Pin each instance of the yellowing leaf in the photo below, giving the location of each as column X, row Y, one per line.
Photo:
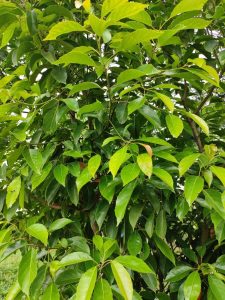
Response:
column 187, row 5
column 87, row 5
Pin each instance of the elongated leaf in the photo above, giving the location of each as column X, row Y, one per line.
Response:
column 51, row 293
column 86, row 284
column 73, row 57
column 117, row 159
column 13, row 291
column 187, row 5
column 192, row 188
column 217, row 287
column 187, row 162
column 62, row 28
column 93, row 164
column 192, row 286
column 13, row 191
column 123, row 200
column 129, row 173
column 123, row 280
column 201, row 123
column 83, row 87
column 37, row 179
column 38, row 231
column 60, row 172
column 34, row 159
column 27, row 270
column 161, row 224
column 83, row 179
column 164, row 248
column 74, row 258
column 164, row 176
column 134, row 215
column 145, row 164
column 166, row 100
column 151, row 115
column 149, row 225
column 93, row 107
column 178, row 273
column 134, row 263
column 219, row 172
column 175, row 125
column 8, row 34
column 59, row 224
column 102, row 290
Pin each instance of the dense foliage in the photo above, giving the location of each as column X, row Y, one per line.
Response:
column 112, row 157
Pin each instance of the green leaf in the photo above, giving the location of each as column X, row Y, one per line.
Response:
column 107, row 187
column 217, row 287
column 126, row 10
column 178, row 273
column 134, row 243
column 93, row 164
column 187, row 5
column 134, row 215
column 135, row 104
column 129, row 173
column 38, row 282
column 59, row 74
column 149, row 225
column 134, row 263
column 187, row 162
column 74, row 57
column 32, row 22
column 123, row 280
column 74, row 258
column 213, row 198
column 63, row 28
column 192, row 286
column 121, row 112
column 109, row 140
column 8, row 34
column 38, row 231
column 117, row 159
column 201, row 123
column 151, row 115
column 175, row 125
column 13, row 291
column 161, row 224
column 192, row 188
column 86, row 284
column 83, row 179
column 83, row 86
column 13, row 191
column 109, row 5
column 145, row 163
column 51, row 293
column 166, row 100
column 164, row 248
column 102, row 290
column 27, row 270
column 37, row 179
column 60, row 172
column 93, row 107
column 219, row 172
column 164, row 176
column 123, row 200
column 58, row 224
column 34, row 159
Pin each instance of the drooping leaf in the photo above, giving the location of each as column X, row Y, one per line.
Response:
column 60, row 172
column 192, row 188
column 164, row 248
column 145, row 164
column 217, row 287
column 178, row 273
column 129, row 173
column 164, row 176
column 175, row 125
column 37, row 179
column 93, row 164
column 161, row 224
column 187, row 162
column 219, row 172
column 134, row 215
column 117, row 159
column 38, row 231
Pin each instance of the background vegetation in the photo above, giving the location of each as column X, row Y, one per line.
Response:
column 112, row 148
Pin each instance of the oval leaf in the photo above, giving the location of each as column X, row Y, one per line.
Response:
column 38, row 231
column 134, row 263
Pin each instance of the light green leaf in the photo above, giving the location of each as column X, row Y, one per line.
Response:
column 117, row 159
column 213, row 199
column 134, row 263
column 149, row 225
column 129, row 173
column 164, row 176
column 166, row 100
column 178, row 273
column 74, row 258
column 38, row 231
column 58, row 224
column 175, row 125
column 126, row 10
column 93, row 107
column 192, row 188
column 51, row 293
column 102, row 290
column 83, row 86
column 123, row 200
column 109, row 5
column 86, row 284
column 134, row 215
column 13, row 191
column 145, row 163
column 164, row 248
column 8, row 34
column 37, row 179
column 60, row 172
column 187, row 5
column 151, row 115
column 192, row 286
column 201, row 123
column 27, row 270
column 93, row 164
column 63, row 28
column 217, row 287
column 219, row 172
column 83, row 179
column 135, row 105
column 74, row 57
column 13, row 291
column 34, row 159
column 109, row 140
column 166, row 155
column 123, row 280
column 107, row 187
column 187, row 162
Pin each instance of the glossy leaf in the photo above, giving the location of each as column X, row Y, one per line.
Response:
column 164, row 248
column 187, row 162
column 13, row 191
column 192, row 188
column 60, row 172
column 175, row 125
column 117, row 159
column 129, row 173
column 145, row 164
column 192, row 286
column 186, row 5
column 134, row 263
column 59, row 224
column 164, row 176
column 86, row 284
column 93, row 164
column 102, row 290
column 219, row 172
column 51, row 293
column 38, row 231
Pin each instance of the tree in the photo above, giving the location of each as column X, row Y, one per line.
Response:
column 112, row 148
